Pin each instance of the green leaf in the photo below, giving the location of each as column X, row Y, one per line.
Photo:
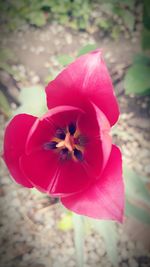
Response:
column 137, row 79
column 107, row 7
column 141, row 59
column 115, row 32
column 128, row 18
column 48, row 78
column 104, row 24
column 65, row 59
column 137, row 212
column 79, row 238
column 86, row 49
column 37, row 18
column 4, row 105
column 135, row 186
column 129, row 3
column 7, row 68
column 66, row 223
column 146, row 39
column 146, row 14
column 51, row 76
column 32, row 101
column 36, row 192
column 108, row 231
column 6, row 54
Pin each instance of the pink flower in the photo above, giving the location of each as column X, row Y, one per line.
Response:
column 68, row 153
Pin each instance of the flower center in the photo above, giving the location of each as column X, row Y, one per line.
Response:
column 68, row 142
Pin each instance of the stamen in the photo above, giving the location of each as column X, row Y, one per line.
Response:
column 50, row 145
column 81, row 140
column 60, row 134
column 72, row 128
column 68, row 143
column 64, row 154
column 78, row 154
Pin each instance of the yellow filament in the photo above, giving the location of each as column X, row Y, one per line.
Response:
column 68, row 143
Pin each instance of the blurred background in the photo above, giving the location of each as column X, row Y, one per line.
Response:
column 38, row 39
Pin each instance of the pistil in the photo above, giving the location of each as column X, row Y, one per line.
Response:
column 67, row 143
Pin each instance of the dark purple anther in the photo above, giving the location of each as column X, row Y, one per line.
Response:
column 50, row 145
column 78, row 154
column 72, row 128
column 64, row 155
column 60, row 134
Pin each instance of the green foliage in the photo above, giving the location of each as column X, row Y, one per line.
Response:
column 6, row 67
column 123, row 9
column 66, row 223
column 78, row 225
column 137, row 196
column 141, row 59
column 51, row 76
column 74, row 13
column 108, row 230
column 19, row 12
column 36, row 18
column 64, row 60
column 137, row 78
column 77, row 14
column 115, row 32
column 87, row 48
column 6, row 56
column 105, row 24
column 33, row 101
column 37, row 193
column 4, row 105
column 146, row 14
column 137, row 212
column 135, row 186
column 128, row 18
column 146, row 26
column 146, row 39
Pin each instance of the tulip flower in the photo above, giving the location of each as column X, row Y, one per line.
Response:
column 68, row 152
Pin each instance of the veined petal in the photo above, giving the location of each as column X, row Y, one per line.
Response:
column 71, row 177
column 40, row 167
column 105, row 198
column 105, row 137
column 14, row 145
column 86, row 79
column 48, row 173
column 95, row 126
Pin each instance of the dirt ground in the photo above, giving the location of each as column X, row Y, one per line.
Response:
column 28, row 226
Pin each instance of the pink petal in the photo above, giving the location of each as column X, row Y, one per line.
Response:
column 105, row 136
column 40, row 167
column 105, row 198
column 87, row 79
column 93, row 158
column 14, row 145
column 96, row 127
column 71, row 177
column 48, row 173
